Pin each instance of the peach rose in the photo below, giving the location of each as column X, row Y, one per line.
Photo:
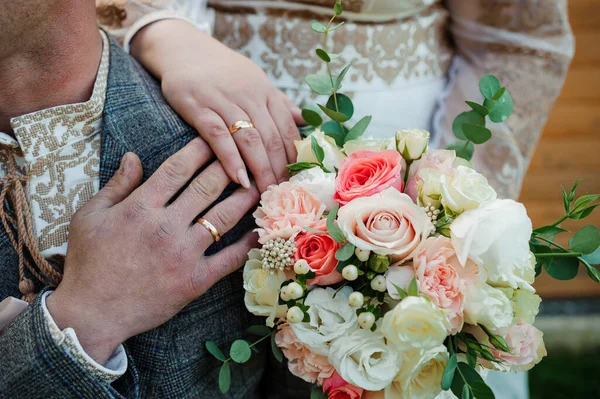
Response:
column 527, row 348
column 365, row 173
column 436, row 267
column 318, row 250
column 284, row 210
column 337, row 388
column 387, row 223
column 302, row 362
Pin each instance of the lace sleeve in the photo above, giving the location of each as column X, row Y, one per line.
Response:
column 124, row 18
column 528, row 44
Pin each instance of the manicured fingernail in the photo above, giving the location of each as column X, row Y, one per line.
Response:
column 242, row 176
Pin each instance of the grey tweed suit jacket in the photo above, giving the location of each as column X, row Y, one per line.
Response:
column 169, row 361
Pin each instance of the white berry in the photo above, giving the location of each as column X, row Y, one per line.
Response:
column 362, row 254
column 301, row 267
column 379, row 284
column 350, row 272
column 366, row 320
column 285, row 294
column 295, row 290
column 356, row 299
column 295, row 315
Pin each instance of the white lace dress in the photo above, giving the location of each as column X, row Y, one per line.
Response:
column 415, row 62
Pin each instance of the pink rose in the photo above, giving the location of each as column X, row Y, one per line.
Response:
column 387, row 223
column 318, row 250
column 527, row 348
column 301, row 361
column 436, row 267
column 441, row 161
column 365, row 173
column 284, row 210
column 337, row 388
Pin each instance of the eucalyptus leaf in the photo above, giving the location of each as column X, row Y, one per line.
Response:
column 499, row 93
column 501, row 109
column 561, row 267
column 240, row 351
column 586, row 240
column 277, row 354
column 311, row 117
column 337, row 9
column 592, row 271
column 334, row 115
column 333, row 130
column 359, row 128
column 214, row 350
column 322, row 54
column 225, row 377
column 477, row 134
column 344, row 104
column 345, row 252
column 259, row 330
column 480, row 109
column 471, row 117
column 463, row 149
column 549, row 231
column 340, row 77
column 448, row 375
column 593, row 258
column 488, row 86
column 334, row 231
column 317, row 150
column 319, row 83
column 318, row 27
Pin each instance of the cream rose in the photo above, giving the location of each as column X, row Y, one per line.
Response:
column 486, row 305
column 318, row 183
column 330, row 318
column 333, row 156
column 496, row 237
column 465, row 189
column 387, row 223
column 262, row 288
column 412, row 143
column 369, row 143
column 525, row 304
column 420, row 375
column 415, row 323
column 363, row 359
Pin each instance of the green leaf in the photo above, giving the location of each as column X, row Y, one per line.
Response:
column 319, row 83
column 466, row 393
column 334, row 115
column 496, row 340
column 480, row 109
column 214, row 350
column 345, row 252
column 318, row 27
column 358, row 129
column 317, row 150
column 499, row 93
column 471, row 357
column 259, row 330
column 333, row 130
column 477, row 134
column 471, row 117
column 448, row 375
column 337, row 8
column 340, row 77
column 401, row 292
column 311, row 117
column 275, row 349
column 317, row 393
column 549, row 231
column 477, row 386
column 299, row 166
column 592, row 271
column 488, row 86
column 571, row 195
column 566, row 202
column 334, row 231
column 225, row 377
column 501, row 109
column 413, row 287
column 463, row 149
column 586, row 240
column 593, row 258
column 322, row 54
column 240, row 351
column 331, row 29
column 585, row 213
column 344, row 104
column 561, row 267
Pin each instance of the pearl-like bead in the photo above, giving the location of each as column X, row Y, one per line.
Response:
column 301, row 267
column 356, row 299
column 362, row 254
column 366, row 320
column 285, row 294
column 350, row 272
column 295, row 290
column 295, row 315
column 379, row 284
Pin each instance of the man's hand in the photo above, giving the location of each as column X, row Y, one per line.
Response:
column 135, row 259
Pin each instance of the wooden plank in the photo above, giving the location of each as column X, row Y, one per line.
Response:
column 566, row 153
column 574, row 119
column 582, row 84
column 584, row 15
column 542, row 184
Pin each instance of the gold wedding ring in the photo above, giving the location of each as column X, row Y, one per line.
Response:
column 240, row 125
column 210, row 227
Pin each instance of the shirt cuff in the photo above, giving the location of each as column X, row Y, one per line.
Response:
column 10, row 308
column 159, row 16
column 114, row 368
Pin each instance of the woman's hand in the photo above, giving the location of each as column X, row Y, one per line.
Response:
column 212, row 87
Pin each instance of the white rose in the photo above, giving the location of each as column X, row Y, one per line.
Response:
column 429, row 187
column 496, row 237
column 398, row 276
column 333, row 156
column 526, row 305
column 262, row 288
column 420, row 376
column 363, row 359
column 369, row 143
column 487, row 305
column 318, row 183
column 415, row 323
column 412, row 143
column 465, row 189
column 330, row 318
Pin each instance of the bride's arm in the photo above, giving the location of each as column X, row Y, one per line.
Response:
column 528, row 45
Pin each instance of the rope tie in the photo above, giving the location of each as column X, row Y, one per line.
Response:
column 23, row 239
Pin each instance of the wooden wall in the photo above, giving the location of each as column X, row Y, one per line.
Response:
column 570, row 144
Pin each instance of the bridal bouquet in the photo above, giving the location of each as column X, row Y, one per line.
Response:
column 387, row 269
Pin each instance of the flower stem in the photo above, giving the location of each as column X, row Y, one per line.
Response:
column 559, row 221
column 553, row 254
column 550, row 242
column 333, row 89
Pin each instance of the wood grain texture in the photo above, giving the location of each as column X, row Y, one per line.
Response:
column 570, row 146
